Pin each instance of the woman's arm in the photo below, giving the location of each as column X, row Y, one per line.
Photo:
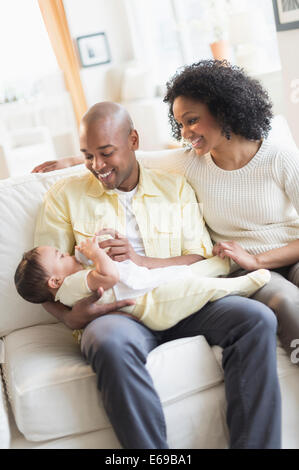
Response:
column 53, row 165
column 168, row 160
column 271, row 259
column 279, row 257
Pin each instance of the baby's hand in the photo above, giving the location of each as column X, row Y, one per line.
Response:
column 89, row 248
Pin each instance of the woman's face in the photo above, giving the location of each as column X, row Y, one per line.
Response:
column 197, row 124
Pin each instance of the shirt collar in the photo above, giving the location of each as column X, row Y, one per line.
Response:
column 145, row 185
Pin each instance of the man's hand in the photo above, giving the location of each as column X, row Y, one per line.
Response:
column 52, row 165
column 235, row 252
column 120, row 248
column 86, row 310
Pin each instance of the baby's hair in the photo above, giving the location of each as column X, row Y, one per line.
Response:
column 31, row 279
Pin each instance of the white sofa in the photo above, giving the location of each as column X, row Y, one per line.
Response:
column 50, row 398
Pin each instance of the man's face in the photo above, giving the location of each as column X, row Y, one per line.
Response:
column 109, row 151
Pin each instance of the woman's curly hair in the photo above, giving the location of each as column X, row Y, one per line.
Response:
column 238, row 102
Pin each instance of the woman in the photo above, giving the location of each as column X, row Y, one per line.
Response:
column 248, row 185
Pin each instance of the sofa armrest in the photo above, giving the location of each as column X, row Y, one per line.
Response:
column 4, row 421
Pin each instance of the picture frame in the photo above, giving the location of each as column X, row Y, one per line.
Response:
column 93, row 49
column 286, row 14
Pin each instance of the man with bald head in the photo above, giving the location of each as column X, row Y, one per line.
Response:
column 139, row 206
column 156, row 222
column 111, row 122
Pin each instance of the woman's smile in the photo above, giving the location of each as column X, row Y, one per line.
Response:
column 197, row 142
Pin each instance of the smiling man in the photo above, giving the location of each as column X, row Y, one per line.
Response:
column 111, row 162
column 158, row 215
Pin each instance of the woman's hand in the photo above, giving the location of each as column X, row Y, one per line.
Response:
column 53, row 165
column 235, row 252
column 120, row 248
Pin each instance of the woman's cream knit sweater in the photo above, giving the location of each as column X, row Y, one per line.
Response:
column 257, row 205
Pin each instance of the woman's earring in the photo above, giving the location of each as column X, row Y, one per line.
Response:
column 226, row 133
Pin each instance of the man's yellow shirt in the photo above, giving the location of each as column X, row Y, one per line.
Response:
column 165, row 206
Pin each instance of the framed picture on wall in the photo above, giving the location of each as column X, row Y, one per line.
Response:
column 93, row 49
column 286, row 14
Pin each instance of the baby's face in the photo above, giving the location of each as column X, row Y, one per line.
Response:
column 58, row 264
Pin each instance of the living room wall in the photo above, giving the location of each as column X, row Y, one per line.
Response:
column 288, row 42
column 93, row 16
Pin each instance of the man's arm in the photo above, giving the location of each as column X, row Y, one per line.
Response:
column 152, row 263
column 120, row 249
column 85, row 310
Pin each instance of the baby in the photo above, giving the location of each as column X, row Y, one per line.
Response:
column 163, row 296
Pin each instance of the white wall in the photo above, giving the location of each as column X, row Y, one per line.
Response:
column 102, row 82
column 94, row 16
column 288, row 42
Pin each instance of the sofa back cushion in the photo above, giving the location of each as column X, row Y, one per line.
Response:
column 20, row 199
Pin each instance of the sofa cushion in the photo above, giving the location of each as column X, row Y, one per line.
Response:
column 53, row 391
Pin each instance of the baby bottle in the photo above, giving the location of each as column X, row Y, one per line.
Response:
column 82, row 258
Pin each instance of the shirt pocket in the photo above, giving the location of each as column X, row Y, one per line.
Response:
column 167, row 242
column 83, row 230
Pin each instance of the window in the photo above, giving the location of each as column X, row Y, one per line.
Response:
column 170, row 33
column 25, row 50
column 155, row 36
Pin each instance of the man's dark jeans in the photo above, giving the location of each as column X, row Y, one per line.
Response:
column 117, row 348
